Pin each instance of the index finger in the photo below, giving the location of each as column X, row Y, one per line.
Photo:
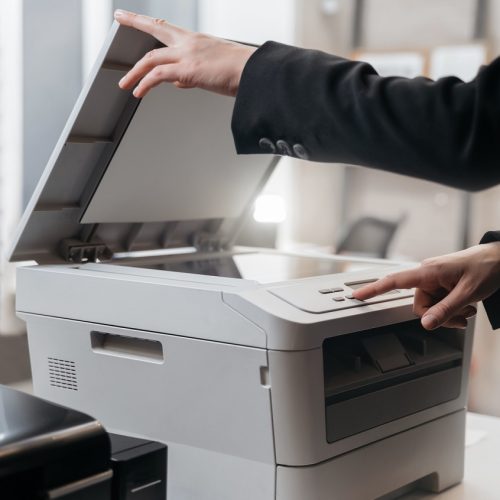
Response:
column 404, row 279
column 159, row 28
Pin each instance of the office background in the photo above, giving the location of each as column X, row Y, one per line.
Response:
column 47, row 48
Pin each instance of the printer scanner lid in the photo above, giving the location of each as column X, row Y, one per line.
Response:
column 129, row 175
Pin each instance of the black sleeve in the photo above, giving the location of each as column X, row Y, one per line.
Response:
column 492, row 303
column 313, row 105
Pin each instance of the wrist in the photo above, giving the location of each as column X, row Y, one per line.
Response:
column 493, row 255
column 242, row 55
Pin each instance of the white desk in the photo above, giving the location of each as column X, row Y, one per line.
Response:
column 482, row 463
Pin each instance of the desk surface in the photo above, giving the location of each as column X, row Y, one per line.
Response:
column 482, row 463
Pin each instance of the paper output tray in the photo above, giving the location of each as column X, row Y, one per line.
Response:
column 360, row 394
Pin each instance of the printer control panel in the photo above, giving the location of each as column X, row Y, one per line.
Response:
column 321, row 296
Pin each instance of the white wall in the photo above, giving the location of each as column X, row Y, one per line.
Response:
column 10, row 152
column 254, row 21
column 96, row 21
column 393, row 24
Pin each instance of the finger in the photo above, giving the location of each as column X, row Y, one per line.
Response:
column 181, row 85
column 160, row 74
column 423, row 301
column 404, row 279
column 445, row 309
column 460, row 319
column 156, row 57
column 468, row 311
column 159, row 28
column 456, row 322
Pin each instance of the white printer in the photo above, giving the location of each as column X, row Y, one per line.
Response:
column 257, row 368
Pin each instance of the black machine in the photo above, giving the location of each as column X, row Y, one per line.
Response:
column 51, row 452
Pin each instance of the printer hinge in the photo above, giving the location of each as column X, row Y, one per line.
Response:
column 77, row 251
column 208, row 243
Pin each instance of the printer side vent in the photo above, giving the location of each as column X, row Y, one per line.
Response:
column 62, row 374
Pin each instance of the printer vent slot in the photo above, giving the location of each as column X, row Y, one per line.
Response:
column 62, row 374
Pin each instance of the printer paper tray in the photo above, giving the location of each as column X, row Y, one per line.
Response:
column 346, row 418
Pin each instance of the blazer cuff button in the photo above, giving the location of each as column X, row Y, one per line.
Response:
column 267, row 145
column 300, row 151
column 284, row 148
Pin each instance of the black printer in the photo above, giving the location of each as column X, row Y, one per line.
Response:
column 51, row 452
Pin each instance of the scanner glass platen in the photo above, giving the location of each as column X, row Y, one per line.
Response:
column 264, row 267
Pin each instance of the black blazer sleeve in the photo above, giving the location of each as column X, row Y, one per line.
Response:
column 317, row 106
column 492, row 303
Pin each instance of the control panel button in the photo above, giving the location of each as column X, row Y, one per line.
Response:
column 308, row 296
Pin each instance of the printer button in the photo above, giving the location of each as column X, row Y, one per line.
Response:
column 337, row 289
column 338, row 299
column 325, row 290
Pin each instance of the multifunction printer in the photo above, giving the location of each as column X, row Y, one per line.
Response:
column 263, row 375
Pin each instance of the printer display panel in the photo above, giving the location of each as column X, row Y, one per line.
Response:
column 261, row 266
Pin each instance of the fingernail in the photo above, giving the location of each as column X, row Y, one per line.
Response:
column 135, row 92
column 119, row 13
column 429, row 322
column 120, row 83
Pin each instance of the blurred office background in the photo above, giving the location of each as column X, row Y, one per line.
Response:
column 47, row 49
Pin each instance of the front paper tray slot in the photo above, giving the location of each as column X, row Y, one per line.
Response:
column 357, row 414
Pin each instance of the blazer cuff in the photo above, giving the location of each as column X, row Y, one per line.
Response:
column 255, row 91
column 492, row 303
column 274, row 111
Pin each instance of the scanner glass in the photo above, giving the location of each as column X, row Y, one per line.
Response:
column 261, row 266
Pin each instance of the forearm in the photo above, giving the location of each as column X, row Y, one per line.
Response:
column 342, row 111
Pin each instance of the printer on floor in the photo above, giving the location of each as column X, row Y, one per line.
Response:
column 264, row 376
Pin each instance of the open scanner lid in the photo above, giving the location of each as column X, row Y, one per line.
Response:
column 130, row 175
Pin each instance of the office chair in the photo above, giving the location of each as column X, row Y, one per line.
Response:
column 369, row 237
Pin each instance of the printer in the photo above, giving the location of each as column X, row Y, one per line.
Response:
column 48, row 451
column 257, row 368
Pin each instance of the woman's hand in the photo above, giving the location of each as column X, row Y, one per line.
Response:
column 446, row 286
column 188, row 60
